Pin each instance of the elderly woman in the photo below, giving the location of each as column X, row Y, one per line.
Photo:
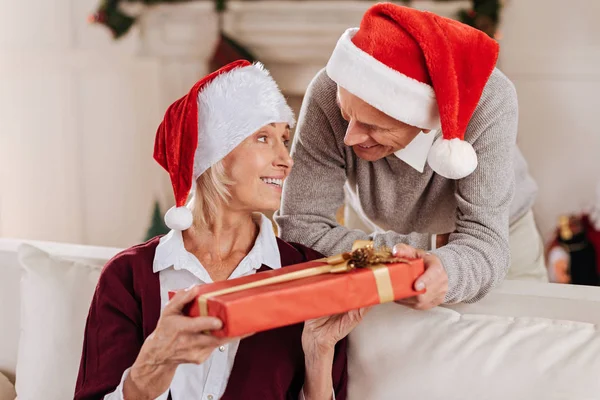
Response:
column 229, row 137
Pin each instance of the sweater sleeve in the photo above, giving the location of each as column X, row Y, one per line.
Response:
column 113, row 334
column 314, row 191
column 477, row 255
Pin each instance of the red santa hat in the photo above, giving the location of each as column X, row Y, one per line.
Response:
column 218, row 113
column 421, row 69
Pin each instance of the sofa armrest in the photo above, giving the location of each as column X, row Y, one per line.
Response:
column 541, row 300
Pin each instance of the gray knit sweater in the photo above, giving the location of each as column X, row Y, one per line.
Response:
column 405, row 205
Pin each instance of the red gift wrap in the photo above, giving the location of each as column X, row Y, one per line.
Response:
column 300, row 292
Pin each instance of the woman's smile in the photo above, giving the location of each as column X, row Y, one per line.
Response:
column 274, row 182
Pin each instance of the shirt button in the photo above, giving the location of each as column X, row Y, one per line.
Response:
column 221, row 349
column 209, row 397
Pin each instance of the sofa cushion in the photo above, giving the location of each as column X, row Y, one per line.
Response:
column 399, row 353
column 10, row 275
column 7, row 390
column 55, row 297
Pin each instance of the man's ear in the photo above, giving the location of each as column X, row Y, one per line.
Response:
column 426, row 130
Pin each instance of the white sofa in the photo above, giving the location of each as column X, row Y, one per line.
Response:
column 523, row 341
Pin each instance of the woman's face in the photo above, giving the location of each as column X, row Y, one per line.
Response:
column 258, row 167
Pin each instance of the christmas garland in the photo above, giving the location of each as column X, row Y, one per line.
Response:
column 483, row 15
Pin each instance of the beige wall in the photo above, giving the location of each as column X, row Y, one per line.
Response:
column 551, row 51
column 78, row 115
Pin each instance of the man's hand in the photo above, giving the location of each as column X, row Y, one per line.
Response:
column 434, row 280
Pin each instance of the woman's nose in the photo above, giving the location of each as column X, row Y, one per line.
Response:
column 355, row 135
column 283, row 158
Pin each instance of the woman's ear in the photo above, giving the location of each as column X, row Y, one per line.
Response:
column 426, row 130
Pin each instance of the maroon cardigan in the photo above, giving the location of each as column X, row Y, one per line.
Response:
column 125, row 310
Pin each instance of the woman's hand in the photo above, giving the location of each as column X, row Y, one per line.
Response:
column 434, row 280
column 322, row 334
column 177, row 339
column 319, row 338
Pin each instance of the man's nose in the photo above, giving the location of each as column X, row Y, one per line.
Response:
column 355, row 135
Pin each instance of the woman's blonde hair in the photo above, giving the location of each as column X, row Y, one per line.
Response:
column 211, row 192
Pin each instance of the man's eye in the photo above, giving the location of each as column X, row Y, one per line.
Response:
column 286, row 143
column 262, row 139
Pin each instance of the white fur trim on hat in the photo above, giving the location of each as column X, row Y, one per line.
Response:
column 231, row 108
column 452, row 159
column 390, row 91
column 179, row 218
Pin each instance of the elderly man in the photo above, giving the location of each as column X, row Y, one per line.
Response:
column 412, row 123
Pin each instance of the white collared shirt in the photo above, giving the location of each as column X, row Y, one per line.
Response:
column 415, row 153
column 180, row 269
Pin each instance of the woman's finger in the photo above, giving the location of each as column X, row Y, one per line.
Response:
column 181, row 298
column 193, row 352
column 363, row 311
column 203, row 342
column 202, row 324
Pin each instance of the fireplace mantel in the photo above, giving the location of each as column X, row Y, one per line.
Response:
column 292, row 38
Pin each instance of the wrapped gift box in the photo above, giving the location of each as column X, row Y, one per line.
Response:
column 337, row 284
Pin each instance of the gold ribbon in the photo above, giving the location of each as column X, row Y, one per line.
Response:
column 340, row 263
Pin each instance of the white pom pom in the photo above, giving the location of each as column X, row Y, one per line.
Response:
column 179, row 218
column 452, row 159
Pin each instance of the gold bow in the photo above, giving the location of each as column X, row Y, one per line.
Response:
column 363, row 255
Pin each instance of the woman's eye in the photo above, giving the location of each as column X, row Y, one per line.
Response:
column 286, row 143
column 262, row 139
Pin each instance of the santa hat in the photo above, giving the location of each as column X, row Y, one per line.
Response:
column 421, row 69
column 219, row 112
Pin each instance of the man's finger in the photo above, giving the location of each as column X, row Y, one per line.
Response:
column 425, row 297
column 433, row 273
column 409, row 301
column 433, row 293
column 439, row 300
column 428, row 305
column 425, row 280
column 181, row 298
column 406, row 251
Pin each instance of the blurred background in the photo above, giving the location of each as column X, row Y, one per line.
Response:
column 85, row 83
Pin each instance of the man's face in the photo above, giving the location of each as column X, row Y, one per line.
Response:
column 372, row 134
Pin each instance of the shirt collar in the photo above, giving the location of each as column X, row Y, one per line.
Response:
column 415, row 154
column 171, row 252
